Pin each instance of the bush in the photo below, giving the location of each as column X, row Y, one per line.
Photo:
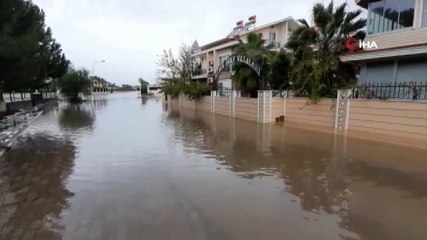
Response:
column 191, row 90
column 194, row 91
column 73, row 83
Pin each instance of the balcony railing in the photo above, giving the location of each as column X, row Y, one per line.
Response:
column 273, row 45
column 223, row 92
column 198, row 72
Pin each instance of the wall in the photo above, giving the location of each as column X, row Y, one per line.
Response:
column 225, row 83
column 246, row 108
column 280, row 29
column 392, row 121
column 27, row 105
column 277, row 108
column 402, row 119
column 15, row 106
column 203, row 104
column 222, row 105
column 322, row 113
column 187, row 103
column 399, row 38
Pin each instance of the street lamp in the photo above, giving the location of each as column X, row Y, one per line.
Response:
column 93, row 66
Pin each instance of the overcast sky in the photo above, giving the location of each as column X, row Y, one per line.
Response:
column 130, row 34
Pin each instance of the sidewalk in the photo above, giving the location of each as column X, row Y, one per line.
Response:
column 12, row 126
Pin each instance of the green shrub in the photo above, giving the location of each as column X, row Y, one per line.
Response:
column 191, row 90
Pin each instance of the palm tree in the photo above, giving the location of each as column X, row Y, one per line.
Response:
column 256, row 50
column 317, row 68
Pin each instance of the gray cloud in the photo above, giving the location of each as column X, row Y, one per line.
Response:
column 130, row 34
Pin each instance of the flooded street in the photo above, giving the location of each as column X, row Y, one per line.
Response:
column 120, row 167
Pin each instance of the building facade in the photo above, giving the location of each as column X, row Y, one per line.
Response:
column 208, row 57
column 398, row 30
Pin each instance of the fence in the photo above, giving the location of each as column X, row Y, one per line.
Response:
column 358, row 110
column 281, row 93
column 224, row 92
column 24, row 96
column 396, row 91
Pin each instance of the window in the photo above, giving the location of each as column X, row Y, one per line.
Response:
column 272, row 37
column 407, row 9
column 382, row 72
column 424, row 22
column 389, row 15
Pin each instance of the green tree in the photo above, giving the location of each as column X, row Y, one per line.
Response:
column 317, row 68
column 144, row 84
column 74, row 83
column 53, row 62
column 278, row 77
column 247, row 79
column 175, row 73
column 176, row 68
column 28, row 53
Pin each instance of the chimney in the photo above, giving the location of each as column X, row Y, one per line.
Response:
column 251, row 23
column 252, row 19
column 239, row 25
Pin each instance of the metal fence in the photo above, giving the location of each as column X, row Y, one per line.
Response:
column 224, row 92
column 25, row 96
column 197, row 72
column 281, row 93
column 396, row 91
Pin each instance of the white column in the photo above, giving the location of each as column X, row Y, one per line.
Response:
column 418, row 14
column 264, row 106
column 342, row 109
column 233, row 96
column 213, row 96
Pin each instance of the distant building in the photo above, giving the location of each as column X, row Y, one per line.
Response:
column 209, row 56
column 101, row 85
column 399, row 30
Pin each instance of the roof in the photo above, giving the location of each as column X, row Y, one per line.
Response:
column 288, row 19
column 216, row 43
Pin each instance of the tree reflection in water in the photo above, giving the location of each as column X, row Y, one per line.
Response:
column 76, row 117
column 33, row 181
column 329, row 174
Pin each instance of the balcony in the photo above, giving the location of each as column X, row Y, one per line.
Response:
column 199, row 73
column 273, row 45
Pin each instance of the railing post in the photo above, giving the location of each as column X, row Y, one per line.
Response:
column 285, row 96
column 342, row 109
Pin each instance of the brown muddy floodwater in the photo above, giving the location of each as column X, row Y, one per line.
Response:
column 125, row 168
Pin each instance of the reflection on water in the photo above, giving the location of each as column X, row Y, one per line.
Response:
column 370, row 187
column 120, row 167
column 76, row 116
column 32, row 183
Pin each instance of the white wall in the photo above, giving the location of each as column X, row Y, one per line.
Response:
column 226, row 83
